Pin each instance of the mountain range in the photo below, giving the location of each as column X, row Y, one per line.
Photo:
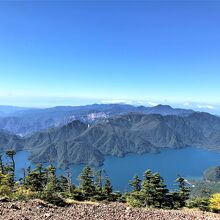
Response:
column 133, row 132
column 7, row 110
column 26, row 121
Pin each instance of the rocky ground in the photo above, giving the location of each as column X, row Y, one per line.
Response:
column 37, row 209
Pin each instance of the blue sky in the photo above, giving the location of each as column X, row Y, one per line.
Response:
column 79, row 52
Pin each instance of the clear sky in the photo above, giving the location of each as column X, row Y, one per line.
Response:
column 74, row 52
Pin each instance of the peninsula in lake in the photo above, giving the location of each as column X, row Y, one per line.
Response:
column 87, row 134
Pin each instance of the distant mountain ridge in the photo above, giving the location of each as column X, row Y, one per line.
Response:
column 77, row 142
column 27, row 121
column 7, row 110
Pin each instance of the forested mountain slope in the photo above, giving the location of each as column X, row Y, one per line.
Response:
column 78, row 142
column 27, row 121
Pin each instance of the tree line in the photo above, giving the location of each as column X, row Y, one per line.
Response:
column 42, row 182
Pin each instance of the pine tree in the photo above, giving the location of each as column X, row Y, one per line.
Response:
column 35, row 179
column 107, row 189
column 154, row 191
column 87, row 182
column 71, row 186
column 141, row 194
column 51, row 179
column 183, row 192
column 159, row 190
column 51, row 189
column 98, row 181
column 10, row 154
column 147, row 189
column 24, row 175
column 11, row 167
column 64, row 184
column 136, row 183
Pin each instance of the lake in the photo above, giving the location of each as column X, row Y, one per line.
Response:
column 188, row 162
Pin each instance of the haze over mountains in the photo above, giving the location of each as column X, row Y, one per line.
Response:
column 23, row 121
column 87, row 134
column 6, row 110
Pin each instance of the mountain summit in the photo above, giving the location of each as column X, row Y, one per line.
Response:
column 28, row 121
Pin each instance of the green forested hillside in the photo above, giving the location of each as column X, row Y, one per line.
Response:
column 27, row 121
column 78, row 142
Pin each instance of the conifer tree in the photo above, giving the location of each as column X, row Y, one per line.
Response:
column 153, row 191
column 51, row 179
column 11, row 154
column 24, row 175
column 136, row 183
column 65, row 184
column 107, row 189
column 159, row 190
column 147, row 190
column 11, row 167
column 87, row 182
column 35, row 179
column 98, row 181
column 71, row 186
column 183, row 192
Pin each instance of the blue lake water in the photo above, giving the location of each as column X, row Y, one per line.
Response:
column 188, row 162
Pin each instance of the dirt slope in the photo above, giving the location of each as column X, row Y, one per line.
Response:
column 39, row 210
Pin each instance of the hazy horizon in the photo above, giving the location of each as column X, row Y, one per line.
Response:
column 213, row 109
column 83, row 52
